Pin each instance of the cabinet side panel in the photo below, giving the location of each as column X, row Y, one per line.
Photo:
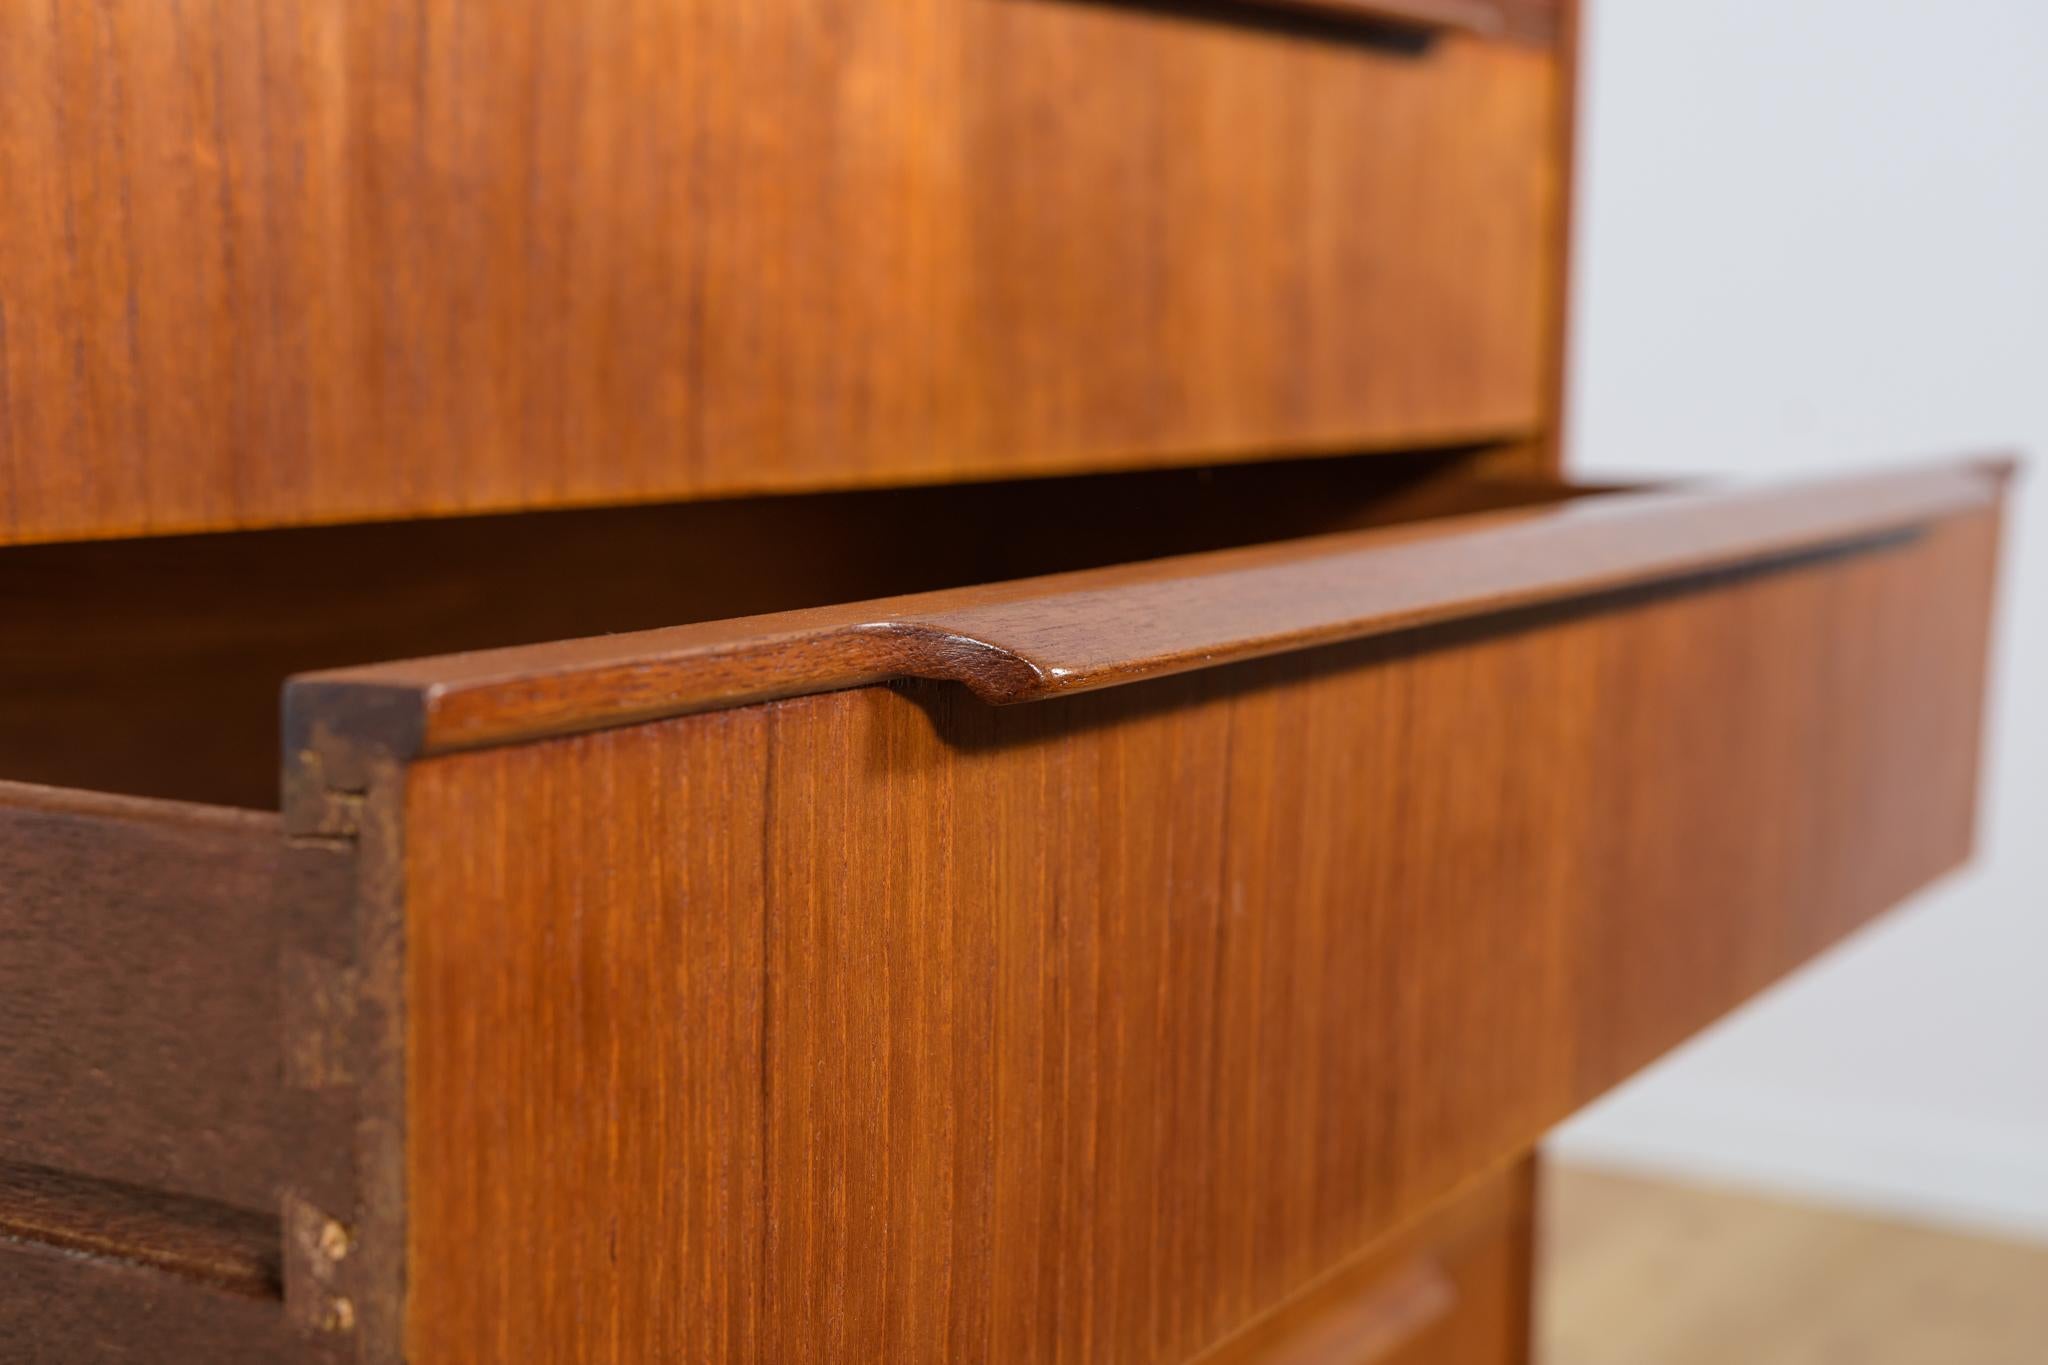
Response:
column 886, row 1025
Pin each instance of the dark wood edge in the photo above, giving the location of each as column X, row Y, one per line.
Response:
column 98, row 805
column 343, row 964
column 344, row 1222
column 1035, row 639
column 1569, row 39
column 1527, row 1213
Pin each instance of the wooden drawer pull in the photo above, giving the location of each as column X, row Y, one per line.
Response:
column 1047, row 637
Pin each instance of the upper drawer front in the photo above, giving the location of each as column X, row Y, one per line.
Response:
column 882, row 1023
column 391, row 257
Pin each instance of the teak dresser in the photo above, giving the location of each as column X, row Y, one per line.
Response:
column 1008, row 745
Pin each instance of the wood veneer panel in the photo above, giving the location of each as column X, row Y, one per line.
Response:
column 1453, row 1290
column 138, row 993
column 698, row 1133
column 884, row 1024
column 365, row 260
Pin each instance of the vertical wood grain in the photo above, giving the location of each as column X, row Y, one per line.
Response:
column 263, row 265
column 1451, row 1289
column 885, row 1025
column 682, row 975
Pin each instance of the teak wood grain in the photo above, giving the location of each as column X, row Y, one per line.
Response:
column 1453, row 1290
column 1038, row 638
column 338, row 261
column 757, row 990
column 329, row 923
column 884, row 1024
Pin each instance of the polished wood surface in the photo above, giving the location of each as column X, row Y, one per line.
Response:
column 361, row 260
column 1644, row 1269
column 756, row 990
column 884, row 1024
column 1454, row 1290
column 1033, row 639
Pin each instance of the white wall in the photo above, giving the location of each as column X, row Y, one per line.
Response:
column 1814, row 233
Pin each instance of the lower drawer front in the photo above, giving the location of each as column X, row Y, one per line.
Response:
column 1453, row 1290
column 886, row 1024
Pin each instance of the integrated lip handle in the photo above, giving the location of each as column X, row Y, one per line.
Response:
column 1037, row 639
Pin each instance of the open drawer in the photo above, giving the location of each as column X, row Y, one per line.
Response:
column 1078, row 966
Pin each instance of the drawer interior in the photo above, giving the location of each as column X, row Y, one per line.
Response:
column 188, row 979
column 152, row 667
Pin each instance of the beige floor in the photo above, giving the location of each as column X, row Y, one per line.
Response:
column 1649, row 1273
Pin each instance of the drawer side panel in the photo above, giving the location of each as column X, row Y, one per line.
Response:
column 67, row 1309
column 138, row 993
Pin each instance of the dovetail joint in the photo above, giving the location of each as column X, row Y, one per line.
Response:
column 314, row 808
column 316, row 1245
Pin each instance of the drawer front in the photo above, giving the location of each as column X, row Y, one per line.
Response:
column 434, row 259
column 1453, row 1290
column 878, row 1022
